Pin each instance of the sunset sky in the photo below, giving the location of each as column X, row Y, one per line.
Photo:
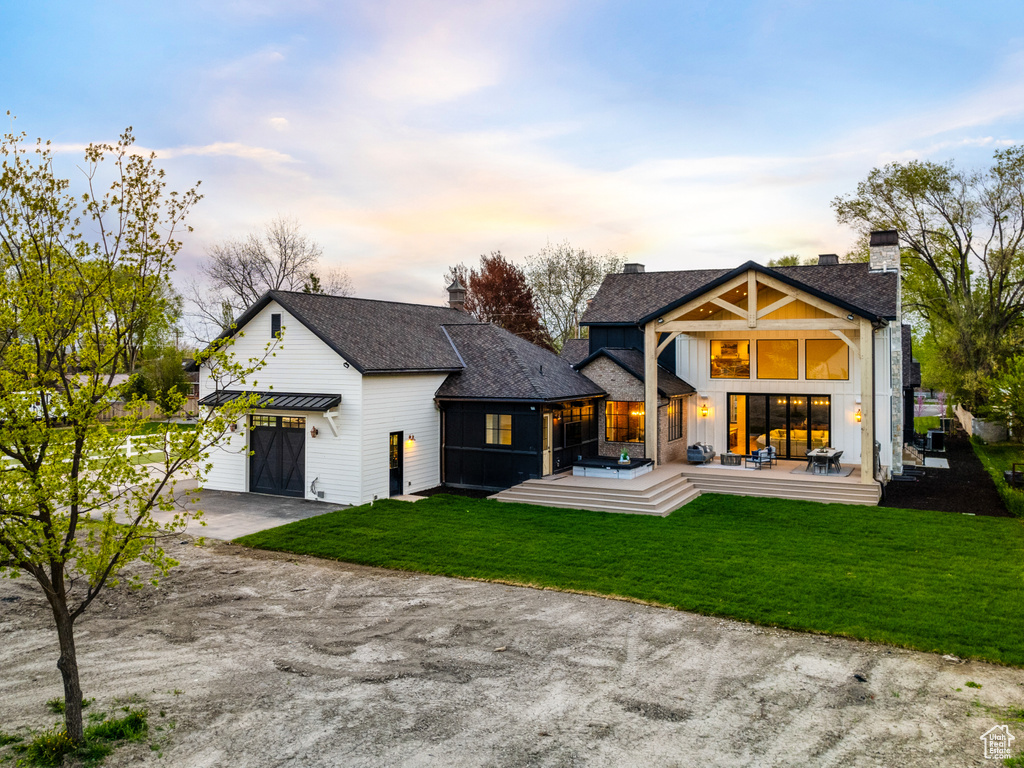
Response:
column 408, row 136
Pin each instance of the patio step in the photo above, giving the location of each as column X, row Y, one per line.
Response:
column 658, row 497
column 802, row 489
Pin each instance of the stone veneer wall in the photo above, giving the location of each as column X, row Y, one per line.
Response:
column 622, row 385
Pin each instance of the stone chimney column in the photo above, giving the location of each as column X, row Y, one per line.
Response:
column 885, row 251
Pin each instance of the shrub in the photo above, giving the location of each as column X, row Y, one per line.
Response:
column 49, row 747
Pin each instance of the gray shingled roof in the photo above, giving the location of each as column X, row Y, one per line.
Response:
column 502, row 366
column 632, row 361
column 911, row 368
column 627, row 298
column 374, row 336
column 575, row 350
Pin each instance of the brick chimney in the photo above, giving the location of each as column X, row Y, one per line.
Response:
column 633, row 269
column 457, row 296
column 827, row 259
column 885, row 251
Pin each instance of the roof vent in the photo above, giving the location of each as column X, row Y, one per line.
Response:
column 457, row 296
column 827, row 259
column 633, row 269
column 885, row 251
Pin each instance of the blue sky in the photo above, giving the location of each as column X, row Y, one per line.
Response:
column 408, row 136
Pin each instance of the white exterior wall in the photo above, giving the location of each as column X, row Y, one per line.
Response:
column 301, row 363
column 693, row 362
column 401, row 403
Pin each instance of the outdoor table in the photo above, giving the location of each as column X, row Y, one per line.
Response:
column 822, row 457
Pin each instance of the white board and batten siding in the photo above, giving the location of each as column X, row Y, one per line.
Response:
column 693, row 364
column 301, row 363
column 401, row 403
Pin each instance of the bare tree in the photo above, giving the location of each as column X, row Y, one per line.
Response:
column 562, row 278
column 239, row 272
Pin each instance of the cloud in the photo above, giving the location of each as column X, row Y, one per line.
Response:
column 278, row 123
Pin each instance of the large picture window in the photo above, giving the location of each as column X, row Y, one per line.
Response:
column 730, row 359
column 827, row 359
column 499, row 429
column 676, row 410
column 623, row 421
column 777, row 359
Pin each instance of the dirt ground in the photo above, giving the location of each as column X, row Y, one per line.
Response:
column 265, row 660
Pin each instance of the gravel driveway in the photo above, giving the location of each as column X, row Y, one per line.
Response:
column 264, row 660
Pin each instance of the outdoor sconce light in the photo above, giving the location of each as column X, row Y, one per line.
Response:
column 704, row 410
column 314, row 432
column 411, row 438
column 857, row 415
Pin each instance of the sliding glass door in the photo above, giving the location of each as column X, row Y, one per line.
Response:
column 793, row 424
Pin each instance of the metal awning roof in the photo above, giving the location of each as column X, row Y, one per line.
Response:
column 279, row 401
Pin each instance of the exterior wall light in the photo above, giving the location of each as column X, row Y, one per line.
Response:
column 704, row 410
column 857, row 416
column 411, row 438
column 314, row 432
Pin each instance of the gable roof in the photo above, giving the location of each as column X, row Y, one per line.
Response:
column 574, row 350
column 502, row 366
column 374, row 336
column 637, row 298
column 632, row 361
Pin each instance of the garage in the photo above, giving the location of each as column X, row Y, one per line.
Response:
column 277, row 462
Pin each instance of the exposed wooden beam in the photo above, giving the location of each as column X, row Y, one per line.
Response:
column 751, row 299
column 800, row 324
column 867, row 403
column 775, row 306
column 814, row 301
column 703, row 299
column 651, row 392
column 849, row 342
column 729, row 307
column 666, row 341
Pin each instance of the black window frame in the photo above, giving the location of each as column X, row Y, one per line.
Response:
column 634, row 422
column 275, row 325
column 676, row 418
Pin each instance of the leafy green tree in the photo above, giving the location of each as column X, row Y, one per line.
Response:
column 962, row 239
column 75, row 512
column 168, row 379
column 562, row 279
column 1007, row 395
column 789, row 260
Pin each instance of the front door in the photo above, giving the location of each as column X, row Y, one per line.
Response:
column 395, row 464
column 277, row 463
column 546, row 443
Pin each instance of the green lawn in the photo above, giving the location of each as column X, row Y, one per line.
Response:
column 928, row 580
column 998, row 457
column 923, row 423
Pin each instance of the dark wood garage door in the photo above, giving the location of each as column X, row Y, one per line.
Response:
column 278, row 460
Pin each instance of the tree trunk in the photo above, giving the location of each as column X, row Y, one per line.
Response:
column 68, row 666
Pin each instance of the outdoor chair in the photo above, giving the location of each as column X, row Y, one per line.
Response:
column 834, row 462
column 773, row 456
column 821, row 464
column 758, row 459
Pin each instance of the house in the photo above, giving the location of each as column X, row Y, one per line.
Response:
column 368, row 399
column 794, row 357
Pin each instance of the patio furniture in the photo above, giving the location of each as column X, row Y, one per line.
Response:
column 731, row 459
column 759, row 459
column 773, row 456
column 833, row 461
column 699, row 453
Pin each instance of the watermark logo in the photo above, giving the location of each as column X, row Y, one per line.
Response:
column 997, row 742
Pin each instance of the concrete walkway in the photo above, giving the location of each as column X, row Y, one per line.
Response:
column 229, row 515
